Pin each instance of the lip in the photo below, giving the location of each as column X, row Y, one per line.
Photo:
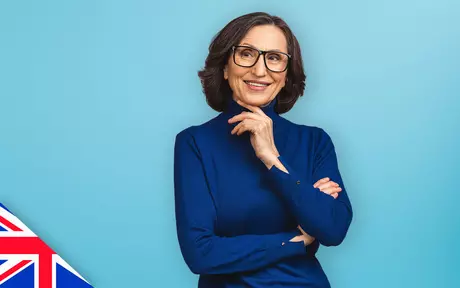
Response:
column 256, row 88
column 257, row 81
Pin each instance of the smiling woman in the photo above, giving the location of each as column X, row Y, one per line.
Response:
column 256, row 194
column 260, row 84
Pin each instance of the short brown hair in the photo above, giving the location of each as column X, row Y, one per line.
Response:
column 216, row 88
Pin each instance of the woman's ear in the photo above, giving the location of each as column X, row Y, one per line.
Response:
column 225, row 73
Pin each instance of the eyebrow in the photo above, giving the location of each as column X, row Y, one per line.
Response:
column 250, row 45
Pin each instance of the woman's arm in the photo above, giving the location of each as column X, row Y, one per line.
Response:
column 203, row 251
column 319, row 214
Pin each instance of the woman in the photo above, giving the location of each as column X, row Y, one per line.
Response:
column 255, row 193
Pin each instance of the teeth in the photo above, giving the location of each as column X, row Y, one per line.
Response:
column 257, row 84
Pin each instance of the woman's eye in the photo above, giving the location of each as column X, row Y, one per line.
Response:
column 274, row 57
column 246, row 53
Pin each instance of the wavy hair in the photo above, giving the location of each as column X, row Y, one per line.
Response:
column 216, row 88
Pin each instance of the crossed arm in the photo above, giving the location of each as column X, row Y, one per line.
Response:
column 319, row 214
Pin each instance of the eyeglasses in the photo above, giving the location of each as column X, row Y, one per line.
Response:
column 246, row 56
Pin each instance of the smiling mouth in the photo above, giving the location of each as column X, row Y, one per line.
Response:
column 256, row 84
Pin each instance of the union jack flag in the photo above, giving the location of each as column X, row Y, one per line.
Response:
column 27, row 262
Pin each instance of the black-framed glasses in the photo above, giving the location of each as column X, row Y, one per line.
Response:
column 247, row 56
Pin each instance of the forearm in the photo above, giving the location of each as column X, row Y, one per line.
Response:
column 210, row 254
column 203, row 250
column 319, row 214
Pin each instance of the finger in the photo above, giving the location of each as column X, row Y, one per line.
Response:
column 237, row 127
column 240, row 128
column 335, row 195
column 243, row 129
column 332, row 190
column 320, row 181
column 254, row 109
column 301, row 230
column 327, row 185
column 246, row 125
column 244, row 115
column 296, row 239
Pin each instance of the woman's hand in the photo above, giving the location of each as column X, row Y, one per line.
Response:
column 307, row 239
column 261, row 128
column 327, row 186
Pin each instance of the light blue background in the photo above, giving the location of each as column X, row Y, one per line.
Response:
column 92, row 94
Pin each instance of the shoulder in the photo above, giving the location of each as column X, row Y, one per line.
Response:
column 199, row 131
column 313, row 133
column 313, row 138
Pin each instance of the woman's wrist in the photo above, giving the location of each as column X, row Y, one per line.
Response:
column 269, row 159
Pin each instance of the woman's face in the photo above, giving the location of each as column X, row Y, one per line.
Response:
column 267, row 83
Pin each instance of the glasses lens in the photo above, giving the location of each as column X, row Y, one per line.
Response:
column 276, row 61
column 245, row 56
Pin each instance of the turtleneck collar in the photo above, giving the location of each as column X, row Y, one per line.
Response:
column 233, row 108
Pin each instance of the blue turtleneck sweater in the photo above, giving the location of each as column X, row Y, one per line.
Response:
column 235, row 217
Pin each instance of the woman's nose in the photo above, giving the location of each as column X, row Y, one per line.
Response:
column 259, row 68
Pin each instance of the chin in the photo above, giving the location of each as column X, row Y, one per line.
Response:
column 256, row 100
